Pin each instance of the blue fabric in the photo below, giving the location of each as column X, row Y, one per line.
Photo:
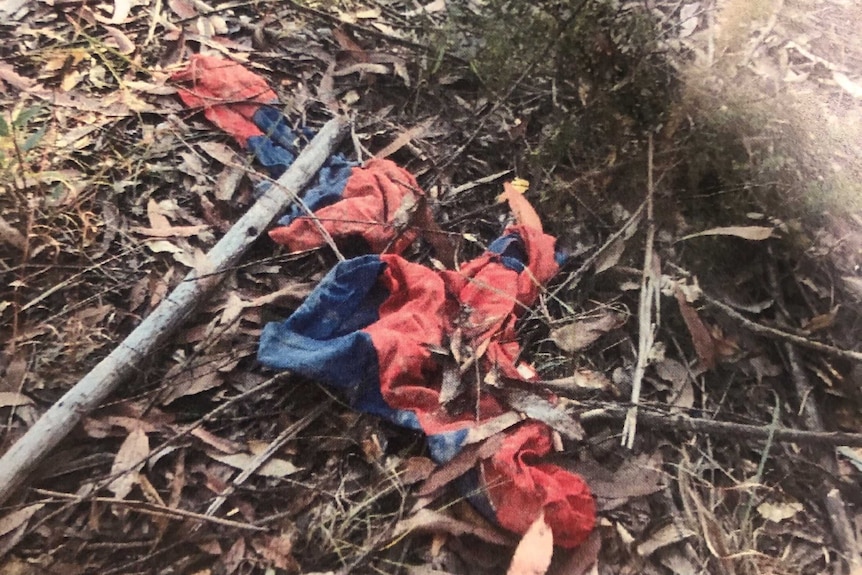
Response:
column 322, row 339
column 277, row 149
column 510, row 248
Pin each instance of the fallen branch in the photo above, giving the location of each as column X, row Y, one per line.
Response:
column 17, row 463
column 679, row 421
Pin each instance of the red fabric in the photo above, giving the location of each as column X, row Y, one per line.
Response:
column 378, row 201
column 495, row 296
column 519, row 488
column 228, row 93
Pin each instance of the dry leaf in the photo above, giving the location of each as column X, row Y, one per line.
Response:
column 583, row 333
column 274, row 467
column 128, row 462
column 534, row 552
column 662, row 537
column 851, row 87
column 155, row 214
column 703, row 342
column 541, row 409
column 405, row 138
column 13, row 399
column 464, row 461
column 122, row 42
column 523, row 210
column 428, row 521
column 581, row 559
column 778, row 512
column 278, row 551
column 16, row 519
column 754, row 233
column 121, row 11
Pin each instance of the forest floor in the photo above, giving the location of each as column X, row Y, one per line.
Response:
column 700, row 162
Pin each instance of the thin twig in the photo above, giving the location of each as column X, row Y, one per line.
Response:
column 660, row 419
column 779, row 334
column 153, row 509
column 648, row 310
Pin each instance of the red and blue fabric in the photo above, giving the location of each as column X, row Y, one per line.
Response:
column 369, row 329
column 348, row 201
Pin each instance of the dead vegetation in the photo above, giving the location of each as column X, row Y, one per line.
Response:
column 739, row 324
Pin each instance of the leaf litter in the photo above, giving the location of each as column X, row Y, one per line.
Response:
column 92, row 124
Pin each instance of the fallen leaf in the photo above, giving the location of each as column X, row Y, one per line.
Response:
column 464, row 461
column 704, row 345
column 13, row 399
column 778, row 512
column 128, row 463
column 581, row 559
column 428, row 521
column 534, row 552
column 121, row 11
column 582, row 380
column 158, row 220
column 523, row 210
column 171, row 231
column 405, row 138
column 583, row 333
column 121, row 42
column 754, row 233
column 17, row 518
column 540, row 409
column 274, row 467
column 849, row 86
column 662, row 537
column 278, row 551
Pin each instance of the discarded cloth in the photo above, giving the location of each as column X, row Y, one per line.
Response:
column 369, row 329
column 372, row 202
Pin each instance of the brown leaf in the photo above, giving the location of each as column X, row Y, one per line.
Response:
column 170, row 231
column 415, row 469
column 534, row 552
column 704, row 345
column 158, row 220
column 754, row 233
column 583, row 380
column 14, row 79
column 579, row 560
column 428, row 521
column 583, row 333
column 461, row 464
column 274, row 467
column 662, row 537
column 120, row 40
column 121, row 11
column 13, row 399
column 17, row 518
column 128, row 463
column 277, row 550
column 405, row 138
column 11, row 236
column 234, row 556
column 540, row 409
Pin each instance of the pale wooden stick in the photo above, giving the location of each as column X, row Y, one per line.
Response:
column 17, row 463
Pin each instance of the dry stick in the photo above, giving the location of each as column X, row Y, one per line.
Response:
column 657, row 419
column 788, row 337
column 832, row 500
column 649, row 300
column 155, row 510
column 94, row 387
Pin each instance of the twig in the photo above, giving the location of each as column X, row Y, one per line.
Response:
column 772, row 332
column 153, row 509
column 94, row 387
column 665, row 420
column 266, row 454
column 832, row 500
column 647, row 309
